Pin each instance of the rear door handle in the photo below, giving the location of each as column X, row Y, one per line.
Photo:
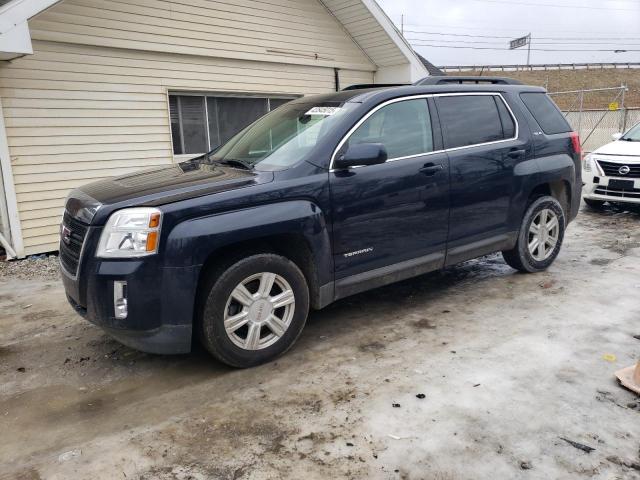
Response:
column 516, row 153
column 431, row 169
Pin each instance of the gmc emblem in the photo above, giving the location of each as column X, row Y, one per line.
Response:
column 65, row 234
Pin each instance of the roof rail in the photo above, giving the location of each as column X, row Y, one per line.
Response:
column 441, row 80
column 360, row 86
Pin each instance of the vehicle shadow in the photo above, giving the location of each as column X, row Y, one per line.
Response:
column 404, row 295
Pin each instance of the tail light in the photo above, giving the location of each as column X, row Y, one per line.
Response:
column 575, row 143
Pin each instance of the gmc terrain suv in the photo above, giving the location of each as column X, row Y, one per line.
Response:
column 324, row 197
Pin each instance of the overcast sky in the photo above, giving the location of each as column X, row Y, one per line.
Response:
column 591, row 24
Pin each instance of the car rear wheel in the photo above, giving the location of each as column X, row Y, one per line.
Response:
column 254, row 310
column 594, row 204
column 540, row 237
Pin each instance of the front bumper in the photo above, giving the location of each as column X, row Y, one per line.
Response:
column 166, row 339
column 160, row 300
column 612, row 178
column 598, row 187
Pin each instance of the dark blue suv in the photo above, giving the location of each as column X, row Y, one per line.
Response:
column 325, row 197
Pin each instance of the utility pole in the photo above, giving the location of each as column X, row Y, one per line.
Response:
column 529, row 50
column 402, row 24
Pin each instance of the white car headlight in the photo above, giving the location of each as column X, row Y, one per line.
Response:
column 587, row 163
column 131, row 232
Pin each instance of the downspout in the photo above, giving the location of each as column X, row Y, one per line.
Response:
column 8, row 200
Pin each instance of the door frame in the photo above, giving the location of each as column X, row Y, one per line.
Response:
column 346, row 137
column 417, row 266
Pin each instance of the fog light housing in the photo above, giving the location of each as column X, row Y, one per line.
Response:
column 120, row 299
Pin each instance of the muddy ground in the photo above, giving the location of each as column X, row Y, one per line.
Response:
column 509, row 364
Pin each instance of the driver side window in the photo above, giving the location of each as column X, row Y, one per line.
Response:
column 404, row 128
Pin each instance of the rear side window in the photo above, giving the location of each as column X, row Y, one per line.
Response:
column 545, row 112
column 470, row 120
column 404, row 128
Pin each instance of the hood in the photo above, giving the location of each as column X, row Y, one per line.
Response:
column 620, row 147
column 159, row 186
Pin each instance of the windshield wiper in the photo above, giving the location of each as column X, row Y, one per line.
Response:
column 629, row 140
column 233, row 162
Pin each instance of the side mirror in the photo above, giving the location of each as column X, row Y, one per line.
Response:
column 361, row 154
column 616, row 136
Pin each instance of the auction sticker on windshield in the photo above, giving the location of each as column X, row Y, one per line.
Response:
column 324, row 111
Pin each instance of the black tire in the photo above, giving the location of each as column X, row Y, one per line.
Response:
column 594, row 204
column 217, row 292
column 520, row 257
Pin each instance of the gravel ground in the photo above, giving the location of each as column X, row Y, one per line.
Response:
column 37, row 267
column 474, row 372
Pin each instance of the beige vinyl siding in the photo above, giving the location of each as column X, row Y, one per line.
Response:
column 78, row 113
column 287, row 31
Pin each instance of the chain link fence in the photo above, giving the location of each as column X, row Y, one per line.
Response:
column 596, row 125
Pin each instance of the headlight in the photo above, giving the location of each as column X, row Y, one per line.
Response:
column 132, row 232
column 588, row 162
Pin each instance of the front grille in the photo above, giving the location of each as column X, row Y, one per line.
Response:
column 71, row 244
column 612, row 169
column 611, row 192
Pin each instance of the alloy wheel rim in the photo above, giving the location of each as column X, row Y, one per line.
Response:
column 259, row 311
column 544, row 233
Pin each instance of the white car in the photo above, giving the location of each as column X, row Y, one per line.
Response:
column 612, row 172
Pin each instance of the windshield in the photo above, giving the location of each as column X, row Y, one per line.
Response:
column 632, row 135
column 283, row 137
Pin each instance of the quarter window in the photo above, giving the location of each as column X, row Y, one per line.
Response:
column 471, row 119
column 200, row 123
column 545, row 112
column 404, row 128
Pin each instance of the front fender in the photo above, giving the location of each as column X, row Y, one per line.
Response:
column 192, row 241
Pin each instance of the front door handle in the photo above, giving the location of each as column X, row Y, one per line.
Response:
column 516, row 153
column 430, row 169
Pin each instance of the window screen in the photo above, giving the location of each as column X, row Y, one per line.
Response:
column 194, row 134
column 212, row 118
column 196, row 129
column 545, row 112
column 469, row 120
column 404, row 128
column 236, row 113
column 276, row 102
column 176, row 136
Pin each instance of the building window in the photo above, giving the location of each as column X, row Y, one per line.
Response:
column 200, row 123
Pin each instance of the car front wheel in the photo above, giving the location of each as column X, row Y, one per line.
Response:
column 540, row 237
column 254, row 310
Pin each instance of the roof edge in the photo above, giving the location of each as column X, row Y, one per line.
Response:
column 418, row 70
column 15, row 36
column 16, row 12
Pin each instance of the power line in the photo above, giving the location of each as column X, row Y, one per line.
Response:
column 423, row 32
column 511, row 2
column 519, row 29
column 623, row 50
column 456, row 34
column 534, row 39
column 503, row 43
